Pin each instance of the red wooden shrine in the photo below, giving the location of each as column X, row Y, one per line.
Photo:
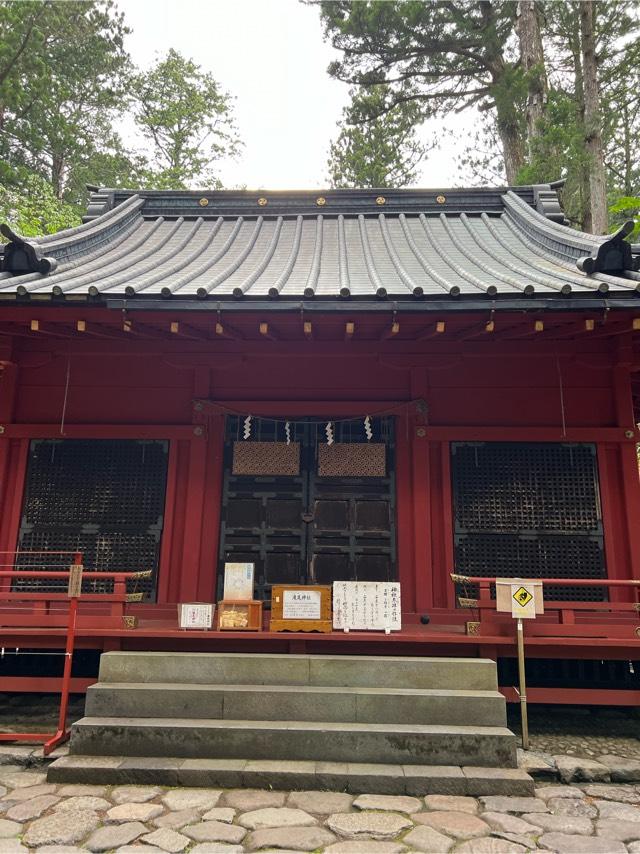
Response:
column 446, row 369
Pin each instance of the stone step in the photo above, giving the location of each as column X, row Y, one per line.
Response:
column 471, row 674
column 297, row 703
column 295, row 740
column 356, row 778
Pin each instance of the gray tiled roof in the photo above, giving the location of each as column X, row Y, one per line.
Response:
column 411, row 249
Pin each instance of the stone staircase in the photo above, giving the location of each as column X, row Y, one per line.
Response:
column 376, row 724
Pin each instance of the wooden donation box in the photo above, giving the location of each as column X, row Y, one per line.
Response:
column 300, row 608
column 239, row 611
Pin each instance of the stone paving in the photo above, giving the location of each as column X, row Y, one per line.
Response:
column 586, row 815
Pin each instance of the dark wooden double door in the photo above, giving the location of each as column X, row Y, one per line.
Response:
column 306, row 528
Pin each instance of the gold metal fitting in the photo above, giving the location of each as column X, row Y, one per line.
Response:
column 637, row 632
column 262, row 201
column 467, row 603
column 145, row 573
column 441, row 199
column 454, row 577
column 203, row 202
column 421, row 432
column 321, row 201
column 381, row 200
column 1, row 430
column 629, row 434
column 198, row 431
column 473, row 628
column 129, row 622
column 134, row 597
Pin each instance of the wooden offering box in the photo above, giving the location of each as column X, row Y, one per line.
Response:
column 300, row 608
column 240, row 615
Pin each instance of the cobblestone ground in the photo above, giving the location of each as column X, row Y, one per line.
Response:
column 585, row 818
column 581, row 730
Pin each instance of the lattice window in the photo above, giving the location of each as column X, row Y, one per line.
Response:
column 530, row 510
column 102, row 497
column 266, row 458
column 352, row 459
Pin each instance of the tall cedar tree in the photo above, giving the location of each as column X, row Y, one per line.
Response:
column 63, row 72
column 384, row 152
column 188, row 119
column 442, row 55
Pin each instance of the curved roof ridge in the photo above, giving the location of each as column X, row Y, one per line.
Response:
column 70, row 236
column 579, row 240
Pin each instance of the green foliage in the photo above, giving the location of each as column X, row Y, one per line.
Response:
column 188, row 120
column 29, row 205
column 628, row 207
column 560, row 151
column 63, row 79
column 444, row 56
column 384, row 152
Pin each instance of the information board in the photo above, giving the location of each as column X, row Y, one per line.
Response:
column 367, row 606
column 301, row 605
column 195, row 615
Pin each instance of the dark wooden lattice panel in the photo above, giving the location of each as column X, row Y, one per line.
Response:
column 529, row 510
column 513, row 486
column 266, row 458
column 352, row 459
column 106, row 499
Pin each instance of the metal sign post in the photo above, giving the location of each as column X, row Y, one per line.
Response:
column 523, row 687
column 524, row 599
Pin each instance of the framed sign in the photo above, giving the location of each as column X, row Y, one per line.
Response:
column 195, row 615
column 301, row 605
column 367, row 606
column 300, row 608
column 238, row 581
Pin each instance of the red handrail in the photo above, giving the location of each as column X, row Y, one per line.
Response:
column 119, row 579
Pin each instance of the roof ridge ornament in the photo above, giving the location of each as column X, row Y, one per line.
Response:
column 613, row 256
column 20, row 257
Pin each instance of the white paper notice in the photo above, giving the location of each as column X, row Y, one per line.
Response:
column 301, row 605
column 238, row 581
column 196, row 615
column 367, row 605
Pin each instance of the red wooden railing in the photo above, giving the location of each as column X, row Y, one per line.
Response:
column 41, row 609
column 561, row 617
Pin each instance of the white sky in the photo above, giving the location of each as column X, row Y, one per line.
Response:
column 272, row 56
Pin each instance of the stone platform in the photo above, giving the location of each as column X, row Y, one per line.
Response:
column 377, row 723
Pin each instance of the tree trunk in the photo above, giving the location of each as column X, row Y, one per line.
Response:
column 57, row 175
column 532, row 58
column 512, row 145
column 574, row 42
column 593, row 120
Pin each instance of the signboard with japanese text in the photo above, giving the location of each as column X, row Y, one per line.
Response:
column 301, row 605
column 367, row 606
column 195, row 615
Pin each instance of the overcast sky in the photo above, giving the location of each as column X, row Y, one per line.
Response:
column 270, row 54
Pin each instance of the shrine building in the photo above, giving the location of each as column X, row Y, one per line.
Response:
column 371, row 385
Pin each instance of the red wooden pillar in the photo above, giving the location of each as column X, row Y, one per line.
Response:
column 196, row 489
column 628, row 457
column 211, row 509
column 422, row 522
